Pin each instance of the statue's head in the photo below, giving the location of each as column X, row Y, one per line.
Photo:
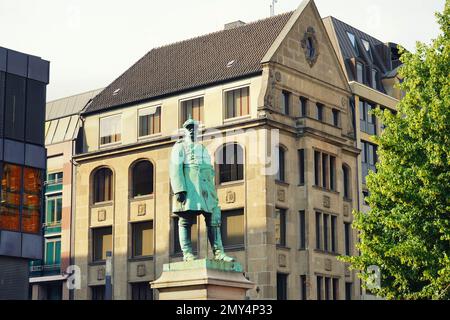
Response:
column 191, row 128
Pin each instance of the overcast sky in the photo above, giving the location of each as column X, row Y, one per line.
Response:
column 91, row 42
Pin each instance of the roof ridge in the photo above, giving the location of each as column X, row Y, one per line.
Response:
column 223, row 30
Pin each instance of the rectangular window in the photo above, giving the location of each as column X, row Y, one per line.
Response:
column 359, row 72
column 233, row 228
column 303, row 292
column 303, row 107
column 176, row 240
column 101, row 243
column 141, row 291
column 54, row 209
column 317, row 156
column 10, row 201
column 31, row 210
column 333, row 234
column 149, row 121
column 327, row 288
column 302, row 228
column 110, row 129
column 320, row 108
column 52, row 252
column 98, row 292
column 55, row 178
column 142, row 239
column 348, row 291
column 192, row 108
column 319, row 286
column 347, row 237
column 237, row 103
column 374, row 79
column 15, row 107
column 325, row 171
column 332, row 173
column 368, row 158
column 326, row 238
column 336, row 116
column 367, row 119
column 35, row 112
column 318, row 230
column 285, row 102
column 301, row 166
column 280, row 227
column 335, row 282
column 282, row 286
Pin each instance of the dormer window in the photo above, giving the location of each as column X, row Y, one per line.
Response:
column 374, row 78
column 367, row 47
column 359, row 72
column 352, row 38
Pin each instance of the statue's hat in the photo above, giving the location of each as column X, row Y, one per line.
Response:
column 190, row 122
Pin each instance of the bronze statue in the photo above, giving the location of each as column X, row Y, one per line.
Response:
column 192, row 180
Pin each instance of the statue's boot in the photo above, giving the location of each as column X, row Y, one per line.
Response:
column 215, row 239
column 184, row 234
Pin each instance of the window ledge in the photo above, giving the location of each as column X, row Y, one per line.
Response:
column 283, row 247
column 236, row 119
column 325, row 190
column 282, row 183
column 144, row 197
column 143, row 258
column 150, row 136
column 96, row 263
column 110, row 145
column 348, row 199
column 230, row 183
column 335, row 254
column 102, row 204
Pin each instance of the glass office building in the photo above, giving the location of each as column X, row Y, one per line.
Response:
column 23, row 81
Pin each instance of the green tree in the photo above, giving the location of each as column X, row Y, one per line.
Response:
column 406, row 233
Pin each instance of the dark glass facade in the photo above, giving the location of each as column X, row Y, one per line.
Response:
column 23, row 81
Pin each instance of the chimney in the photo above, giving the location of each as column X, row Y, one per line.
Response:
column 234, row 24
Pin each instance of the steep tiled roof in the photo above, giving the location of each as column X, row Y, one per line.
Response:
column 193, row 63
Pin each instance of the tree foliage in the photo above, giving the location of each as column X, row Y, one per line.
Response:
column 406, row 233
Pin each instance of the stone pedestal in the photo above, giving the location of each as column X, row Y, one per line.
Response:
column 202, row 279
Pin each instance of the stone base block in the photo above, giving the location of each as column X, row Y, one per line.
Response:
column 202, row 279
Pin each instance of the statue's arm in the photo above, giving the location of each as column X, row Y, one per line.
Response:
column 177, row 180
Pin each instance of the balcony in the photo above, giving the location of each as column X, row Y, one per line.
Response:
column 52, row 227
column 54, row 185
column 37, row 269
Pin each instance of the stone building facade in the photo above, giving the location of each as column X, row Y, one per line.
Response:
column 272, row 94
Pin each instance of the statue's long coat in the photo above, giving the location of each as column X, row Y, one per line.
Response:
column 191, row 171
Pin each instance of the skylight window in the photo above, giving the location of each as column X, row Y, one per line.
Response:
column 352, row 38
column 230, row 64
column 116, row 92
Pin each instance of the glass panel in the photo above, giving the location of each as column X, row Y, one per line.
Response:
column 233, row 228
column 359, row 73
column 143, row 239
column 15, row 107
column 50, row 253
column 35, row 114
column 110, row 129
column 10, row 196
column 103, row 185
column 142, row 178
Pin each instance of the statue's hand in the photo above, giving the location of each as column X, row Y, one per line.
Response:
column 181, row 197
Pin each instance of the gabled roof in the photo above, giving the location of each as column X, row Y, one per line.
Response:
column 193, row 63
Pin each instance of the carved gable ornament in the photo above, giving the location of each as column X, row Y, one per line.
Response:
column 310, row 45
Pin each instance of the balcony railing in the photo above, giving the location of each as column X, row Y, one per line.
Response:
column 41, row 270
column 53, row 185
column 52, row 227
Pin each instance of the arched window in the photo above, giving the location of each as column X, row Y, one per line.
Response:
column 346, row 180
column 281, row 174
column 230, row 160
column 142, row 175
column 103, row 185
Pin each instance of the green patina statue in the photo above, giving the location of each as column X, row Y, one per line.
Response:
column 192, row 181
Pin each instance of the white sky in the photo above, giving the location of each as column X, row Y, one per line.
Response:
column 91, row 42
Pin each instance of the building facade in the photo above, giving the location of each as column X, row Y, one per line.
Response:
column 371, row 68
column 278, row 119
column 48, row 275
column 23, row 81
